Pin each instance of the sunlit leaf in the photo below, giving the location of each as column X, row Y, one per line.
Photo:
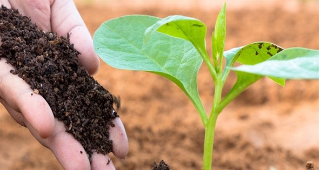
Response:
column 292, row 63
column 183, row 27
column 119, row 42
column 250, row 55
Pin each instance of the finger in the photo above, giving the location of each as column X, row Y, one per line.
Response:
column 37, row 10
column 68, row 151
column 119, row 138
column 18, row 117
column 20, row 97
column 101, row 162
column 66, row 19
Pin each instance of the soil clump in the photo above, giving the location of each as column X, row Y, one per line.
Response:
column 161, row 166
column 49, row 64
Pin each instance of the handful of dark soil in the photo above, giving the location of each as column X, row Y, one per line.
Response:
column 49, row 64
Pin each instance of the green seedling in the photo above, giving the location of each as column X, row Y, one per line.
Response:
column 175, row 48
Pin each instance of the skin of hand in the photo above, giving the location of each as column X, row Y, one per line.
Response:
column 33, row 112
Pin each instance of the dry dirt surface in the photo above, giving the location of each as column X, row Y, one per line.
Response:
column 268, row 127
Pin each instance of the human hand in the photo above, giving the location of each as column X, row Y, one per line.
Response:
column 62, row 17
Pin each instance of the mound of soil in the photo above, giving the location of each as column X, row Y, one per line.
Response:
column 49, row 64
column 161, row 166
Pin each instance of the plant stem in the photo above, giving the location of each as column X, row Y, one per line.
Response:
column 200, row 109
column 218, row 93
column 234, row 92
column 210, row 127
column 207, row 61
column 209, row 142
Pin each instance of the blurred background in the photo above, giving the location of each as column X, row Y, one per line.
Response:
column 266, row 127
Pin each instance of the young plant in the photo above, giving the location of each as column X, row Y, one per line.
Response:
column 174, row 47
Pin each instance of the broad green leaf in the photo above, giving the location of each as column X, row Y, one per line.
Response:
column 120, row 43
column 218, row 38
column 250, row 55
column 292, row 63
column 186, row 28
column 189, row 29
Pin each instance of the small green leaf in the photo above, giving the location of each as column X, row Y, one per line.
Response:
column 252, row 54
column 292, row 63
column 231, row 58
column 218, row 39
column 186, row 28
column 120, row 43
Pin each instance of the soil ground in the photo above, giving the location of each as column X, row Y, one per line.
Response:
column 267, row 127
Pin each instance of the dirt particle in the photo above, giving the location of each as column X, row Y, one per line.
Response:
column 36, row 91
column 117, row 101
column 310, row 166
column 243, row 117
column 40, row 58
column 161, row 166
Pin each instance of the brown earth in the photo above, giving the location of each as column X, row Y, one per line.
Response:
column 49, row 64
column 267, row 127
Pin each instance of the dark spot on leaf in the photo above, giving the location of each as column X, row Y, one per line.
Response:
column 268, row 48
column 197, row 25
column 269, row 53
column 260, row 45
column 256, row 53
column 279, row 50
column 274, row 46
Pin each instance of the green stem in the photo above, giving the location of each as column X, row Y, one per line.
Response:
column 200, row 109
column 210, row 127
column 207, row 61
column 234, row 92
column 218, row 93
column 209, row 142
